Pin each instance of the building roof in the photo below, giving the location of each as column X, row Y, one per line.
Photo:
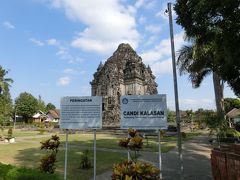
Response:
column 39, row 114
column 233, row 113
column 55, row 113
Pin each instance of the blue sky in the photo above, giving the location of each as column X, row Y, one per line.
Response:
column 53, row 47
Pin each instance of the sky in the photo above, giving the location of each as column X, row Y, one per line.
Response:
column 52, row 48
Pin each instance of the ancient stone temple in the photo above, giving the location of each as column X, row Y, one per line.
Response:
column 122, row 74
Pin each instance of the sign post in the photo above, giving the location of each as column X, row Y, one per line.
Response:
column 94, row 149
column 159, row 152
column 81, row 113
column 145, row 112
column 66, row 153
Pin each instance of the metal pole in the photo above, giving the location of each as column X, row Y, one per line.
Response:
column 94, row 159
column 129, row 151
column 159, row 152
column 179, row 142
column 66, row 149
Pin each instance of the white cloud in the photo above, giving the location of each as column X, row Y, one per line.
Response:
column 153, row 28
column 139, row 3
column 150, row 40
column 8, row 25
column 63, row 81
column 52, row 42
column 159, row 58
column 150, row 4
column 36, row 42
column 142, row 20
column 162, row 67
column 196, row 103
column 69, row 71
column 108, row 23
column 163, row 49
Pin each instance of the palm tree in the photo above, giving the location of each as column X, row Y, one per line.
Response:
column 4, row 82
column 198, row 61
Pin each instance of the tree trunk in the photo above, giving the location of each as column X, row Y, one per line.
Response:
column 218, row 90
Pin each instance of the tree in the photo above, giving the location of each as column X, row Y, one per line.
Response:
column 198, row 61
column 50, row 106
column 4, row 82
column 26, row 105
column 5, row 107
column 189, row 115
column 230, row 103
column 41, row 104
column 216, row 24
column 170, row 116
column 5, row 97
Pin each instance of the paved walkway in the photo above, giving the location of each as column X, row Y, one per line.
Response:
column 196, row 161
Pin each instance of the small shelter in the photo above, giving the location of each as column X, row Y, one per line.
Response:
column 39, row 117
column 53, row 115
column 234, row 115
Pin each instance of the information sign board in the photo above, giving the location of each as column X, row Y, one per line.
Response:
column 144, row 112
column 81, row 112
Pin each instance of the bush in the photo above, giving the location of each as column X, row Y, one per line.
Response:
column 47, row 162
column 184, row 135
column 229, row 136
column 135, row 170
column 9, row 172
column 85, row 161
column 172, row 128
column 10, row 132
column 41, row 128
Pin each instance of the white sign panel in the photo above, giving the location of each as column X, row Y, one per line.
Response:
column 81, row 112
column 144, row 112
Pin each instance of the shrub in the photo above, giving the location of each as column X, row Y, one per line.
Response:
column 9, row 172
column 135, row 170
column 41, row 128
column 184, row 135
column 47, row 162
column 172, row 128
column 134, row 143
column 85, row 161
column 10, row 132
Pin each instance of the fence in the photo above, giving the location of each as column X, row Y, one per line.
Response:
column 226, row 162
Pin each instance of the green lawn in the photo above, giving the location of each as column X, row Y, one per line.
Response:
column 22, row 133
column 26, row 151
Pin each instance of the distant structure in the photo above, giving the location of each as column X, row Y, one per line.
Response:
column 122, row 74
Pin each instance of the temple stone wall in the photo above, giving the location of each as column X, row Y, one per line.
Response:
column 122, row 74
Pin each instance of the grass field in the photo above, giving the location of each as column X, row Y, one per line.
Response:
column 26, row 151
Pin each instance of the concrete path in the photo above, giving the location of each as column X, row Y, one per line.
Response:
column 196, row 161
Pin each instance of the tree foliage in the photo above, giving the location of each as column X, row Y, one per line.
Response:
column 26, row 105
column 50, row 106
column 4, row 82
column 5, row 97
column 198, row 61
column 215, row 24
column 48, row 161
column 5, row 107
column 230, row 103
column 41, row 104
